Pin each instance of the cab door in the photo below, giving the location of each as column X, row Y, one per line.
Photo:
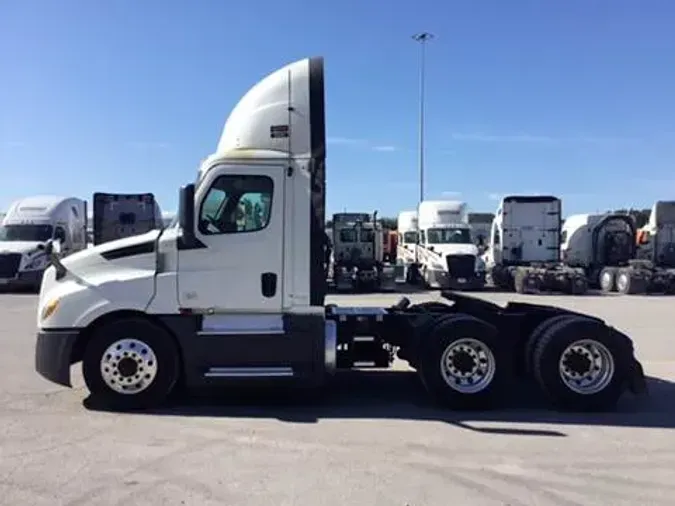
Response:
column 239, row 225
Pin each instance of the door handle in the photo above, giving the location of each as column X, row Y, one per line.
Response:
column 268, row 284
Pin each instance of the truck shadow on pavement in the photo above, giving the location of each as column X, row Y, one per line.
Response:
column 398, row 395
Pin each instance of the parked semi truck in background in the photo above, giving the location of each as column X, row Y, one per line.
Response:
column 28, row 224
column 447, row 257
column 406, row 247
column 358, row 253
column 213, row 301
column 600, row 244
column 654, row 268
column 524, row 253
column 120, row 215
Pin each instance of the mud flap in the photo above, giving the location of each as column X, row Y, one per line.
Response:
column 638, row 382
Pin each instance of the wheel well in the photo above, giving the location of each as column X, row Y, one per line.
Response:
column 81, row 343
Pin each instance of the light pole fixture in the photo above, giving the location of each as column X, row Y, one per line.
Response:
column 422, row 38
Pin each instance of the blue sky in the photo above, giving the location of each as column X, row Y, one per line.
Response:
column 573, row 98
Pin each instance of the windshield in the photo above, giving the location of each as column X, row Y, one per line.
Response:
column 348, row 235
column 449, row 236
column 29, row 233
column 367, row 235
column 410, row 237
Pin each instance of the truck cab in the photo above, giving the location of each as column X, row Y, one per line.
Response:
column 447, row 254
column 120, row 215
column 599, row 244
column 358, row 253
column 524, row 253
column 28, row 224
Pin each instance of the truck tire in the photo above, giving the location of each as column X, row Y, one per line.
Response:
column 580, row 365
column 463, row 364
column 534, row 338
column 130, row 364
column 608, row 279
column 628, row 283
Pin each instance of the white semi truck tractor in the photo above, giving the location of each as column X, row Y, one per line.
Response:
column 234, row 292
column 603, row 245
column 27, row 225
column 524, row 253
column 448, row 258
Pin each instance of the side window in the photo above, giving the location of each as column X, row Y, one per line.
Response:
column 60, row 234
column 236, row 204
column 495, row 236
column 563, row 237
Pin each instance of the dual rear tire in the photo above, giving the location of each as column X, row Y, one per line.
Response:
column 577, row 362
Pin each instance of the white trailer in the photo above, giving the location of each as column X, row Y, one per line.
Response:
column 447, row 257
column 218, row 301
column 27, row 225
column 524, row 251
column 120, row 215
column 600, row 244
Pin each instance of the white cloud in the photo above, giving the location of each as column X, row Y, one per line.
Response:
column 345, row 141
column 361, row 143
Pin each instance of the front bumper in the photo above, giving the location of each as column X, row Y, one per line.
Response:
column 54, row 354
column 442, row 279
column 23, row 279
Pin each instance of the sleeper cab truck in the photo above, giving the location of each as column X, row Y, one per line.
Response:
column 27, row 225
column 524, row 251
column 234, row 292
column 448, row 257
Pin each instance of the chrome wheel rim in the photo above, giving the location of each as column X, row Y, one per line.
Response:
column 606, row 280
column 468, row 366
column 128, row 366
column 621, row 281
column 586, row 367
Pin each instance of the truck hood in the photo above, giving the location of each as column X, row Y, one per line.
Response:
column 19, row 246
column 131, row 253
column 455, row 249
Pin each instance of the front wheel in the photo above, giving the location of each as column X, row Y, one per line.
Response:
column 130, row 364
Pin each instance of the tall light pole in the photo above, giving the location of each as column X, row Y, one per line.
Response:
column 422, row 38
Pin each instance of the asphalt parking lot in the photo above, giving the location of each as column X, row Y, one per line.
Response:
column 372, row 441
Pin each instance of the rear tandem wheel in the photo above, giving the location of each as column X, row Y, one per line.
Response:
column 463, row 364
column 580, row 364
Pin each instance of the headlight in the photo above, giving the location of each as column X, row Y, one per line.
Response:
column 37, row 263
column 49, row 309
